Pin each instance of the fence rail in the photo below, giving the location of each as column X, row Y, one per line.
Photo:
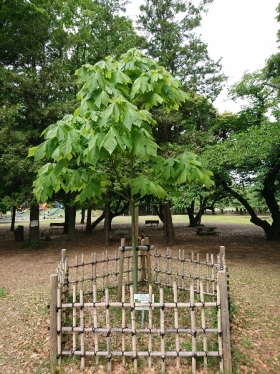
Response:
column 185, row 314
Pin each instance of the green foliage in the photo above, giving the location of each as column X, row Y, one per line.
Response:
column 41, row 45
column 169, row 27
column 111, row 130
column 3, row 292
column 259, row 98
column 31, row 245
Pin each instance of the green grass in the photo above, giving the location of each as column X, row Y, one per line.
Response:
column 3, row 292
column 231, row 218
column 180, row 218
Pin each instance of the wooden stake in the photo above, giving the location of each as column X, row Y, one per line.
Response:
column 120, row 274
column 219, row 320
column 203, row 325
column 63, row 255
column 150, row 324
column 207, row 272
column 53, row 319
column 183, row 268
column 193, row 327
column 108, row 327
column 94, row 295
column 222, row 255
column 123, row 322
column 176, row 322
column 59, row 332
column 197, row 272
column 162, row 330
column 133, row 329
column 222, row 280
column 74, row 317
column 82, row 337
column 148, row 261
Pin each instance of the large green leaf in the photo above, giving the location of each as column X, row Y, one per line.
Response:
column 110, row 141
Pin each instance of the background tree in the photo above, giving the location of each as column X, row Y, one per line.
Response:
column 41, row 45
column 251, row 158
column 170, row 30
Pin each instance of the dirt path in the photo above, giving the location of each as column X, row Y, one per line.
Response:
column 254, row 268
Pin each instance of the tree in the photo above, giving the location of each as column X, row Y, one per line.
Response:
column 259, row 96
column 251, row 158
column 112, row 126
column 169, row 28
column 42, row 43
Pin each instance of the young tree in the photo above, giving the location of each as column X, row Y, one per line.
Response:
column 113, row 126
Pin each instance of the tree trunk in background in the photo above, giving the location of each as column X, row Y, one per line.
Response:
column 13, row 218
column 160, row 212
column 83, row 215
column 71, row 222
column 65, row 229
column 194, row 220
column 107, row 223
column 88, row 225
column 198, row 221
column 34, row 224
column 168, row 225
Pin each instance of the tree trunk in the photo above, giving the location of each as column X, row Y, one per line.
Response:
column 83, row 216
column 192, row 218
column 107, row 224
column 34, row 224
column 272, row 231
column 88, row 225
column 168, row 225
column 14, row 210
column 71, row 222
column 160, row 212
column 66, row 220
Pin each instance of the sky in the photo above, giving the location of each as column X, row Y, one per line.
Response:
column 242, row 33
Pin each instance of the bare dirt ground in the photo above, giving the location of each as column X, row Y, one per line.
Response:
column 254, row 269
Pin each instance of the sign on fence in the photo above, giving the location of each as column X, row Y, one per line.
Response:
column 142, row 298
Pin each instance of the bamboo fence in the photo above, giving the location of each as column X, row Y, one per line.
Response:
column 185, row 314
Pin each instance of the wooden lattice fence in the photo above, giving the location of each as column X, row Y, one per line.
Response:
column 185, row 315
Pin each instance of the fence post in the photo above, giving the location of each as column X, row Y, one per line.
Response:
column 222, row 255
column 120, row 282
column 63, row 255
column 222, row 280
column 53, row 319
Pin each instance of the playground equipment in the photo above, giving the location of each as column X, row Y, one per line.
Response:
column 59, row 207
column 43, row 206
column 21, row 212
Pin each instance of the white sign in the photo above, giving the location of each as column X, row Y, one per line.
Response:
column 142, row 298
column 34, row 223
